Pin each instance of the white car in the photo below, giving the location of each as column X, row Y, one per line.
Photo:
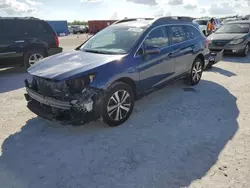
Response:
column 203, row 24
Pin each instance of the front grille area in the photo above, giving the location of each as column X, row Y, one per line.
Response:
column 219, row 42
column 48, row 87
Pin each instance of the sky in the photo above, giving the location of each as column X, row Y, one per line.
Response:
column 117, row 9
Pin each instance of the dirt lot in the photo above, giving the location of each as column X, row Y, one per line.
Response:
column 177, row 137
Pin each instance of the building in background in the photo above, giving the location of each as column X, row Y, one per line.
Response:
column 97, row 25
column 60, row 27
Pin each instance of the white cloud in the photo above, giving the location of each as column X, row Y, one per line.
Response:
column 190, row 6
column 90, row 1
column 223, row 8
column 12, row 7
column 175, row 2
column 144, row 2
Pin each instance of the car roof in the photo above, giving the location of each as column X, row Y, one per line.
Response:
column 239, row 22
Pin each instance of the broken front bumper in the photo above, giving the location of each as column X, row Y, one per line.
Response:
column 77, row 110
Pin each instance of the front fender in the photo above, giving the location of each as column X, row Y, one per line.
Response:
column 103, row 81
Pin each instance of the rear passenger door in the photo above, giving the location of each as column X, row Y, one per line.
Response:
column 182, row 49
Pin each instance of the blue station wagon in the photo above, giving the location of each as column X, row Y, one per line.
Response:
column 104, row 76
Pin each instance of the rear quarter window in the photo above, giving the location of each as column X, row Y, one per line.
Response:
column 192, row 32
column 36, row 28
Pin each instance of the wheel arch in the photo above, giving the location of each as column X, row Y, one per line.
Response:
column 201, row 56
column 128, row 81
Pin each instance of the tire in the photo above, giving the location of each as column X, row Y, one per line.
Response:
column 204, row 32
column 121, row 110
column 244, row 53
column 209, row 66
column 31, row 55
column 197, row 69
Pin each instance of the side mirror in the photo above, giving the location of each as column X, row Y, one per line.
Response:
column 152, row 50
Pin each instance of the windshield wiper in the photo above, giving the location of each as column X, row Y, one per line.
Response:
column 99, row 51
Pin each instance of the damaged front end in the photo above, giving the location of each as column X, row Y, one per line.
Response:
column 70, row 102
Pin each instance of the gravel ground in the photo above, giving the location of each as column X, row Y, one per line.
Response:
column 176, row 137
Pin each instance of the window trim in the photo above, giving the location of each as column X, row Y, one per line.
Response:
column 165, row 33
column 171, row 45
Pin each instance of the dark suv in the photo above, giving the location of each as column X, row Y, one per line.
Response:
column 104, row 76
column 26, row 40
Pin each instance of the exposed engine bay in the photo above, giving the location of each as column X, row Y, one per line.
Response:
column 67, row 101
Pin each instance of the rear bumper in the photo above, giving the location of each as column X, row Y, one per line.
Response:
column 53, row 51
column 215, row 57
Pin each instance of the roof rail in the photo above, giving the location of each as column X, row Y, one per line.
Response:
column 168, row 18
column 131, row 19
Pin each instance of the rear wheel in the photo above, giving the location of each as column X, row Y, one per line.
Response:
column 196, row 72
column 118, row 104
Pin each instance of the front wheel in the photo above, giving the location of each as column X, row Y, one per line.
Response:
column 245, row 51
column 118, row 104
column 196, row 72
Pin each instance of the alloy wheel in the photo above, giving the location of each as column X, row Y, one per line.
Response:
column 197, row 71
column 34, row 58
column 119, row 105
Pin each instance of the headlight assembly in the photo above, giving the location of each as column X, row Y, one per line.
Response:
column 78, row 84
column 236, row 41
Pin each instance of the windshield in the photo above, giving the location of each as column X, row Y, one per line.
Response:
column 113, row 40
column 201, row 22
column 234, row 28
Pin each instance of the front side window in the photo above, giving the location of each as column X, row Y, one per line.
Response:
column 177, row 34
column 234, row 28
column 157, row 38
column 113, row 40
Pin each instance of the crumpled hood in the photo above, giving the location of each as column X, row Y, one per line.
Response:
column 226, row 36
column 67, row 64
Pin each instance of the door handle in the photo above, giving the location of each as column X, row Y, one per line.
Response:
column 19, row 41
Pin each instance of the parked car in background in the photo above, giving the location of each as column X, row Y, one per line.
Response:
column 78, row 29
column 203, row 24
column 104, row 76
column 232, row 37
column 26, row 39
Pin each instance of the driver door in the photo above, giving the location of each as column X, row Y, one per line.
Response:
column 154, row 69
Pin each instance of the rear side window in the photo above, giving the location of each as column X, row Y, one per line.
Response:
column 36, row 28
column 177, row 34
column 157, row 37
column 192, row 32
column 10, row 28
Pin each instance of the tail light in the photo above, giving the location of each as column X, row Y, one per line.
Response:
column 57, row 40
column 207, row 43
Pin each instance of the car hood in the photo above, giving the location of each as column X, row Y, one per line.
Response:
column 68, row 64
column 226, row 36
